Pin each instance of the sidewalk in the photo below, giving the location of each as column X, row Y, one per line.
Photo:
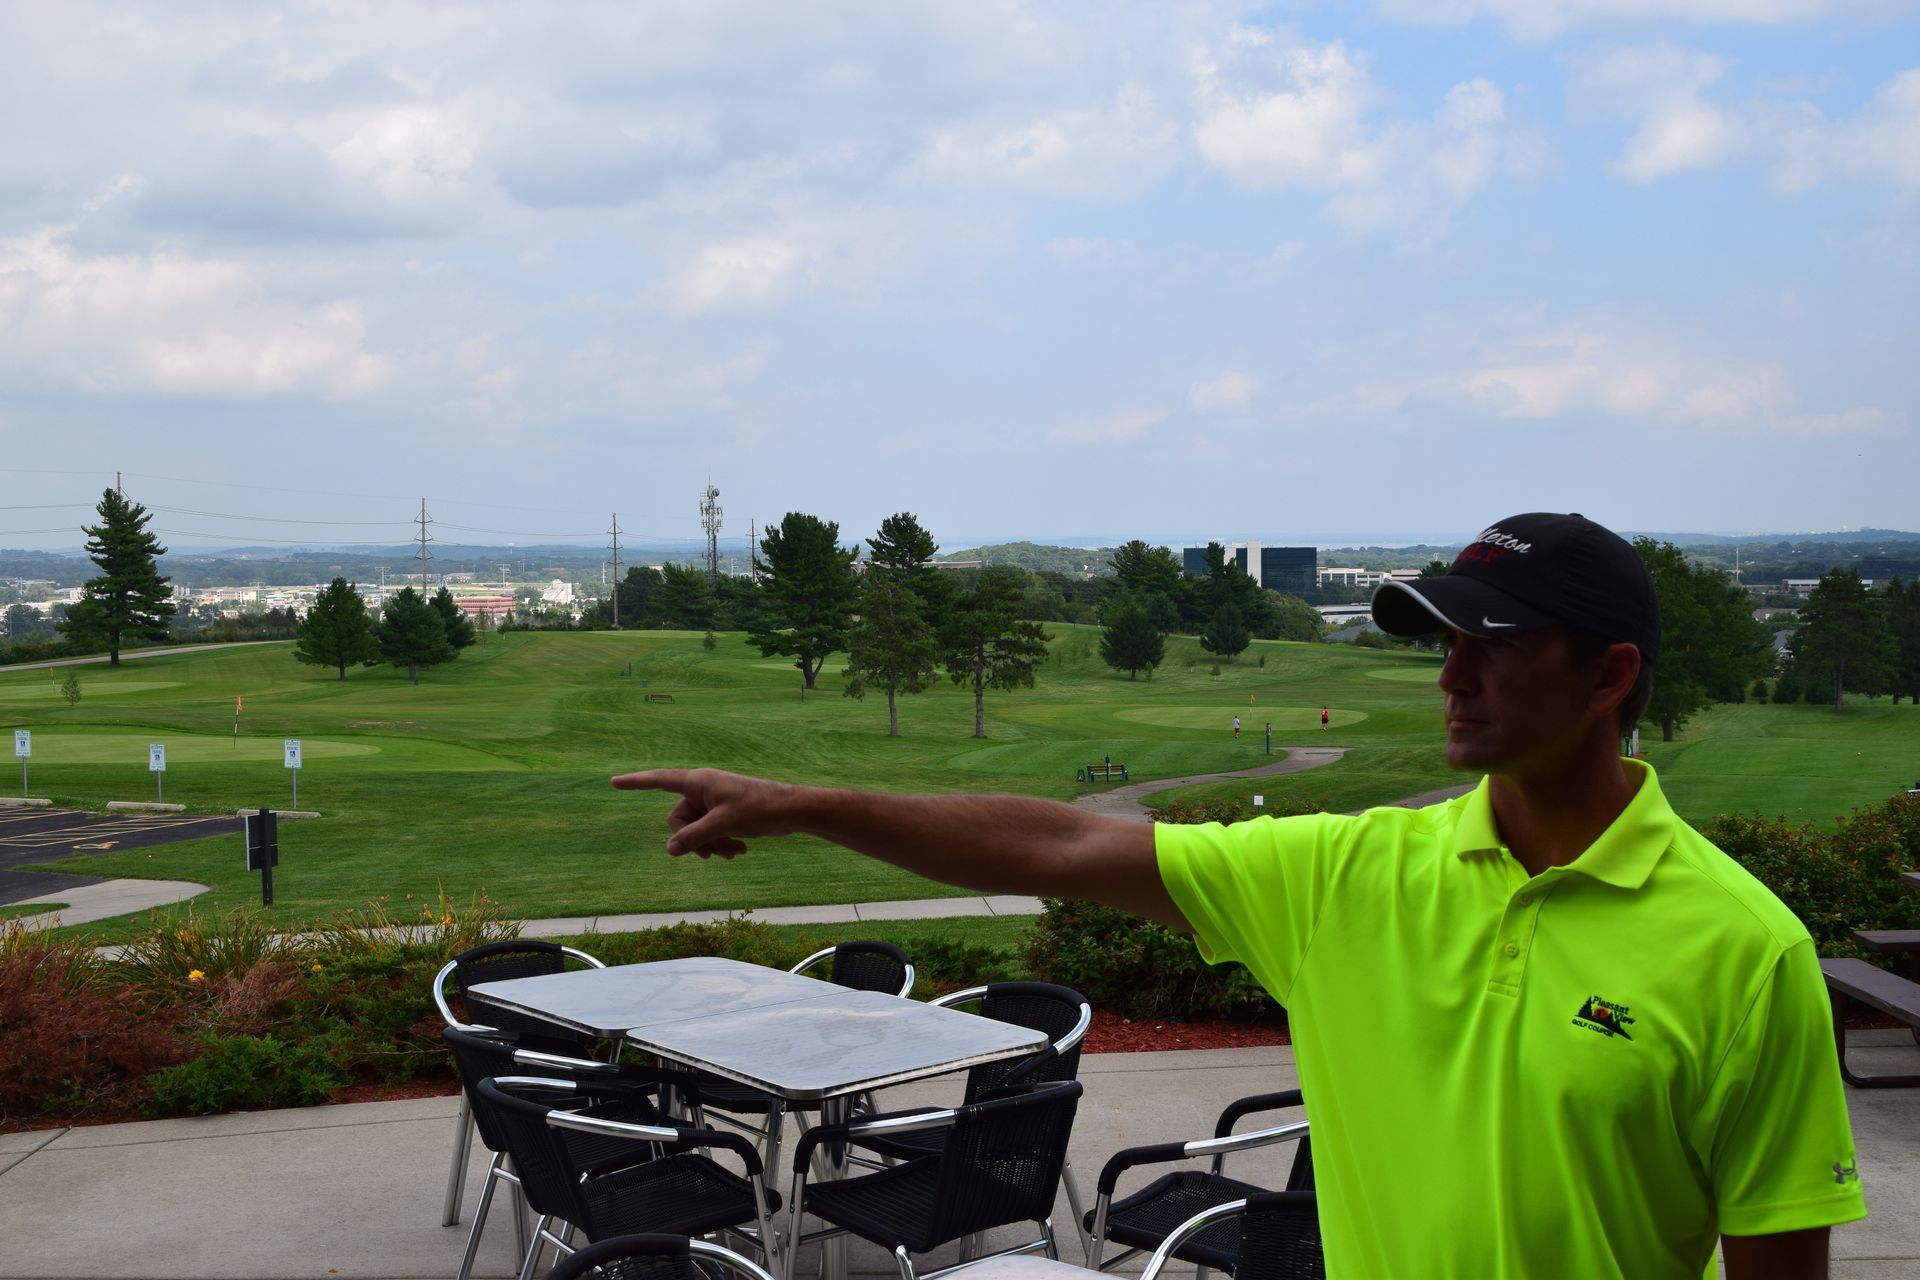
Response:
column 355, row 1191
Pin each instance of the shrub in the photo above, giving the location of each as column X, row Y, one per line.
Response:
column 1786, row 688
column 242, row 1072
column 1136, row 967
column 162, row 962
column 1759, row 691
column 68, row 1045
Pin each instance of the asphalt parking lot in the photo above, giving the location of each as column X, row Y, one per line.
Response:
column 33, row 836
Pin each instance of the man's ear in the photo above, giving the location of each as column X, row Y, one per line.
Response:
column 1613, row 676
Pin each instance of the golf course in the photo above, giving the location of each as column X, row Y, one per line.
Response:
column 490, row 775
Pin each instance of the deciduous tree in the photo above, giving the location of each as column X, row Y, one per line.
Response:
column 807, row 593
column 986, row 643
column 892, row 648
column 1129, row 641
column 1710, row 646
column 128, row 600
column 412, row 634
column 337, row 631
column 1844, row 642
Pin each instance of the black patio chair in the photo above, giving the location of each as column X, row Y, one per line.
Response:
column 656, row 1257
column 677, row 1190
column 1000, row 1164
column 477, row 1057
column 1278, row 1237
column 1060, row 1012
column 496, row 962
column 1145, row 1219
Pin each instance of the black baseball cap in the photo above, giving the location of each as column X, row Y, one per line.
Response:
column 1532, row 571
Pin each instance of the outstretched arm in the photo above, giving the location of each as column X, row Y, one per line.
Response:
column 995, row 843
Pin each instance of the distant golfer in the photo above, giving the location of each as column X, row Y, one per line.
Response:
column 1543, row 1029
column 1323, row 719
column 1236, row 726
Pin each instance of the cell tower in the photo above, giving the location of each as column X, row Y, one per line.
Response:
column 710, row 521
column 424, row 539
column 753, row 551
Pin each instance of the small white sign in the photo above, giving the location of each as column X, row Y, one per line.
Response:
column 156, row 757
column 1259, row 801
column 292, row 747
column 23, row 743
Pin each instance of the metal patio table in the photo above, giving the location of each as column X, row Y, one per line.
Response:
column 802, row 1041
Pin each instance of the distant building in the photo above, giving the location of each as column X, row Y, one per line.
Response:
column 1363, row 579
column 1288, row 569
column 485, row 606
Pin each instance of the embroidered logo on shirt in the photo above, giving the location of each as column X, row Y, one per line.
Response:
column 1842, row 1172
column 1604, row 1016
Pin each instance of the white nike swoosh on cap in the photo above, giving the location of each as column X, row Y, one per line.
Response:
column 1485, row 621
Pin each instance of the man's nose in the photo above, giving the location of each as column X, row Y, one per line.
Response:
column 1457, row 672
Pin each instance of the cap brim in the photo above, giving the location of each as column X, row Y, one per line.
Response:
column 1423, row 606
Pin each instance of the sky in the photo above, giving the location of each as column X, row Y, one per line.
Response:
column 1381, row 269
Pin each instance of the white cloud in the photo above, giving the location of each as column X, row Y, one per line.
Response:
column 169, row 323
column 1127, row 424
column 1231, row 390
column 1881, row 144
column 1641, row 372
column 743, row 273
column 1275, row 116
column 1544, row 19
column 1100, row 153
column 1660, row 86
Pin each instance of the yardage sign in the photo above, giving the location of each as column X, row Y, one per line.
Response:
column 23, row 743
column 156, row 757
column 292, row 747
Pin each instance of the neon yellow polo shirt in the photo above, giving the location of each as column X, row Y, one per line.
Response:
column 1590, row 1072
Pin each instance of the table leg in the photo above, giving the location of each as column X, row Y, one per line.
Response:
column 833, row 1256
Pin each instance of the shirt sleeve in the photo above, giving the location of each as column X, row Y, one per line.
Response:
column 1252, row 892
column 1775, row 1132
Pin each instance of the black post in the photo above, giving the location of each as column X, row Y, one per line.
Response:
column 267, row 861
column 1269, row 737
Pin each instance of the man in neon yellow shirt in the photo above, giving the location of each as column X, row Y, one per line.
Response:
column 1544, row 1029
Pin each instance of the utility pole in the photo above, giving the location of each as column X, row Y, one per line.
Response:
column 117, row 486
column 424, row 538
column 710, row 520
column 753, row 552
column 615, row 531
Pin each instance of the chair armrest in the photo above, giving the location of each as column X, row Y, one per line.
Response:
column 1168, row 1152
column 1240, row 1108
column 668, row 1137
column 874, row 1127
column 1186, row 1231
column 615, row 1073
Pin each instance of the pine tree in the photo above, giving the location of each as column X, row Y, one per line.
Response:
column 893, row 648
column 412, row 634
column 337, row 631
column 458, row 627
column 1844, row 643
column 1226, row 632
column 986, row 642
column 1130, row 642
column 902, row 549
column 807, row 593
column 128, row 601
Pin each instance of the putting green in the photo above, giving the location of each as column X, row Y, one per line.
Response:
column 102, row 690
column 131, row 749
column 1252, row 716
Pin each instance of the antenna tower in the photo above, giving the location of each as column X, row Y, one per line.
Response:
column 753, row 551
column 615, row 531
column 424, row 539
column 710, row 521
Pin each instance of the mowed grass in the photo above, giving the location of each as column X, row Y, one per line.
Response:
column 491, row 775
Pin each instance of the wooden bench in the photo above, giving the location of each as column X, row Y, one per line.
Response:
column 1101, row 773
column 659, row 697
column 1851, row 981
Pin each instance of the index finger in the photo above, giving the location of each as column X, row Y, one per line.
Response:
column 652, row 780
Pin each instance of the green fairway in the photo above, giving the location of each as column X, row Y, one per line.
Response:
column 491, row 773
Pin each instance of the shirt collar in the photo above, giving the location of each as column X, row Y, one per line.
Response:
column 1623, row 856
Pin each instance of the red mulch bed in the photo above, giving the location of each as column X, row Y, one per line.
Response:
column 1111, row 1033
